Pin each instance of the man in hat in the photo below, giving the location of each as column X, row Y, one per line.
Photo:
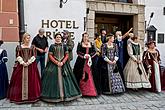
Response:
column 67, row 40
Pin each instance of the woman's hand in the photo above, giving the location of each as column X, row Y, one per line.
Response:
column 25, row 64
column 41, row 50
column 114, row 62
column 86, row 56
column 83, row 77
column 60, row 64
column 139, row 61
column 110, row 62
column 46, row 50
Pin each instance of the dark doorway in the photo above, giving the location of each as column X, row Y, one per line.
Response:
column 112, row 22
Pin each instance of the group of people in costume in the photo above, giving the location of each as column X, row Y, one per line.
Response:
column 124, row 62
column 100, row 68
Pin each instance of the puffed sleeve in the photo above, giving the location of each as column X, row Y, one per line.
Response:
column 130, row 52
column 66, row 54
column 4, row 56
column 93, row 52
column 103, row 51
column 50, row 55
column 33, row 57
column 51, row 49
column 79, row 53
column 145, row 59
column 18, row 55
column 141, row 52
column 116, row 52
column 158, row 55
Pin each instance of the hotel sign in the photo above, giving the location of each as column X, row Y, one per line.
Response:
column 48, row 15
column 58, row 24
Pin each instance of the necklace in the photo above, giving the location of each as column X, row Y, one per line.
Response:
column 86, row 44
column 152, row 50
column 110, row 45
column 25, row 45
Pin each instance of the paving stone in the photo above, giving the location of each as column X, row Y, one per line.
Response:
column 117, row 108
column 132, row 107
column 124, row 107
column 154, row 108
column 141, row 100
column 95, row 101
column 88, row 101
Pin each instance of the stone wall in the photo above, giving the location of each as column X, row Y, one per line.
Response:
column 108, row 7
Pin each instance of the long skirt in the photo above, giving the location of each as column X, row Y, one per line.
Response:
column 25, row 84
column 3, row 81
column 87, row 85
column 112, row 82
column 59, row 84
column 135, row 78
column 155, row 78
column 163, row 80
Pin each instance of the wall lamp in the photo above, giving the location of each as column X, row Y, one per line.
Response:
column 62, row 2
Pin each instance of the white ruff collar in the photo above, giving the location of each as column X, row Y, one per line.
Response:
column 134, row 43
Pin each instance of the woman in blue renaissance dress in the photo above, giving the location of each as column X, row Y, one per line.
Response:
column 111, row 80
column 3, row 72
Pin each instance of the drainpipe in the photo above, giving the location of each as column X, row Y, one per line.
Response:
column 21, row 19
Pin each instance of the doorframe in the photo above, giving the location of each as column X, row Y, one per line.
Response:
column 108, row 7
column 114, row 19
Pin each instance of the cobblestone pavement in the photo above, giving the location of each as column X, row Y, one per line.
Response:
column 131, row 100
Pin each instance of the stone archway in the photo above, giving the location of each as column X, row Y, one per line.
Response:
column 117, row 8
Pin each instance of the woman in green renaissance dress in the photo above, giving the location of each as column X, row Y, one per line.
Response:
column 58, row 81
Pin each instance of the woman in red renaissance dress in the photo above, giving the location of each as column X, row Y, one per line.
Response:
column 84, row 68
column 151, row 59
column 25, row 81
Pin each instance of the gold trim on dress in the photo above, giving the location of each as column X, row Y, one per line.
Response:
column 60, row 83
column 25, row 83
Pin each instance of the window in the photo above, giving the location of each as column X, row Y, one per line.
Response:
column 160, row 38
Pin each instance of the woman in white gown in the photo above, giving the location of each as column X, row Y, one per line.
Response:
column 134, row 72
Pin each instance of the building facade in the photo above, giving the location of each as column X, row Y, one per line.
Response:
column 76, row 16
column 157, row 7
column 115, row 15
column 9, row 28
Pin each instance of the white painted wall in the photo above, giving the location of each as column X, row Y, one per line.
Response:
column 36, row 10
column 158, row 21
column 10, row 48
